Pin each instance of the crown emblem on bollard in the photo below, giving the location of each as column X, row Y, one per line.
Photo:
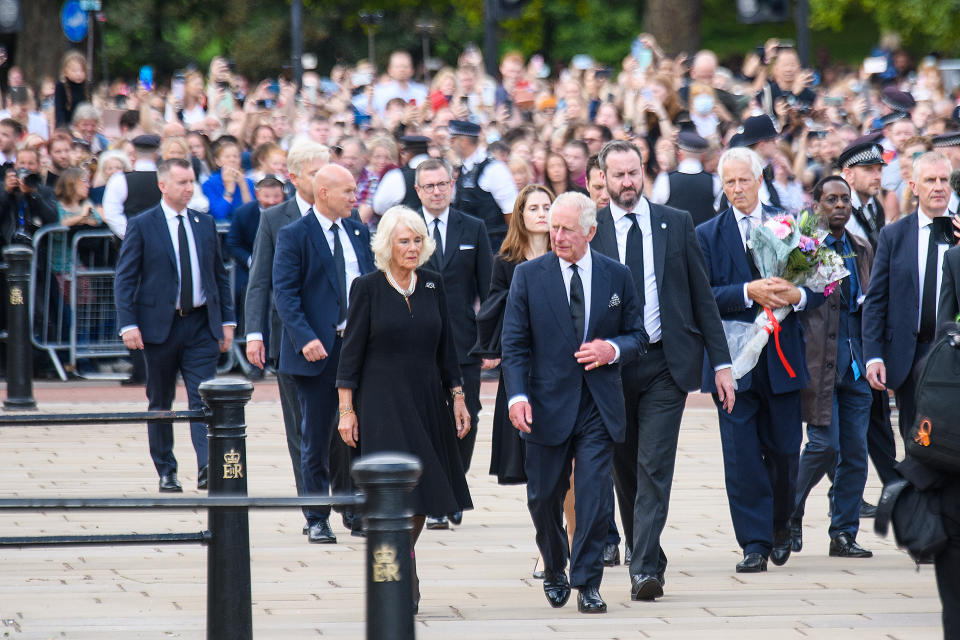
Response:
column 232, row 467
column 385, row 567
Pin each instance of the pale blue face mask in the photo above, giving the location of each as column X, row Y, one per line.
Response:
column 492, row 136
column 703, row 104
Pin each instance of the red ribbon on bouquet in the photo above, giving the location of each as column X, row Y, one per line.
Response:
column 775, row 330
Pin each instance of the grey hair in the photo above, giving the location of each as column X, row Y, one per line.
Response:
column 928, row 158
column 382, row 243
column 585, row 207
column 432, row 165
column 85, row 111
column 744, row 155
column 304, row 152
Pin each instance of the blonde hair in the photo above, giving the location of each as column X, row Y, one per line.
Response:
column 303, row 152
column 382, row 243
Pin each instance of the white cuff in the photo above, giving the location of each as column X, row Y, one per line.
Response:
column 873, row 360
column 721, row 367
column 254, row 335
column 800, row 306
column 747, row 302
column 123, row 330
column 616, row 349
column 518, row 398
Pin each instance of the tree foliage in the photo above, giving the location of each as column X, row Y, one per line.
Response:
column 924, row 24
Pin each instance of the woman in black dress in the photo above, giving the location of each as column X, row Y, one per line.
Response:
column 398, row 378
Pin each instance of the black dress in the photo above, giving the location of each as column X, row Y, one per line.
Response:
column 401, row 364
column 508, row 452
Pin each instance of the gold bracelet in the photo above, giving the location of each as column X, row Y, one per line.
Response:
column 346, row 412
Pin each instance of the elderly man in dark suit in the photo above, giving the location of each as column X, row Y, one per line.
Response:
column 464, row 259
column 900, row 311
column 836, row 403
column 680, row 316
column 560, row 331
column 317, row 259
column 761, row 436
column 173, row 302
column 303, row 161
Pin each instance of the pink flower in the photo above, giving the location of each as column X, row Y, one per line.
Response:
column 781, row 229
column 827, row 290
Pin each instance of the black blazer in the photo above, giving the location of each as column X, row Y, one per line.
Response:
column 465, row 267
column 147, row 277
column 689, row 319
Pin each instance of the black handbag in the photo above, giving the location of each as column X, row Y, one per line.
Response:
column 915, row 514
column 934, row 438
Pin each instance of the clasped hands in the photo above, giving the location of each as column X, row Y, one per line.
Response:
column 773, row 292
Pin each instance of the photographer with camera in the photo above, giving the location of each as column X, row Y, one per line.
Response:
column 25, row 203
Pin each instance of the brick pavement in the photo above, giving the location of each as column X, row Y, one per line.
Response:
column 475, row 578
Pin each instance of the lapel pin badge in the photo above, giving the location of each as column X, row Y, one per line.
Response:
column 663, row 225
column 356, row 232
column 196, row 218
column 614, row 301
column 430, row 285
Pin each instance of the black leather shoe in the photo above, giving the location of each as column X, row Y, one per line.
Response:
column 348, row 519
column 170, row 484
column 844, row 546
column 645, row 587
column 867, row 510
column 456, row 517
column 589, row 601
column 781, row 547
column 537, row 571
column 796, row 535
column 556, row 587
column 133, row 382
column 752, row 563
column 627, row 555
column 306, row 529
column 611, row 555
column 202, row 479
column 321, row 533
column 438, row 523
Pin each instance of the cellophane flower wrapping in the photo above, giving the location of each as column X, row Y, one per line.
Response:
column 795, row 251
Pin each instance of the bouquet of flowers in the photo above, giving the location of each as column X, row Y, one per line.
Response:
column 797, row 252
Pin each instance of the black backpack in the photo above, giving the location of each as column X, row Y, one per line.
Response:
column 934, row 437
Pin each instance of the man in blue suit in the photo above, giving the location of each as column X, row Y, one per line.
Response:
column 560, row 331
column 761, row 436
column 316, row 260
column 173, row 302
column 900, row 310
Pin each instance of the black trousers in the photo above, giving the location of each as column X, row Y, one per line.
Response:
column 906, row 402
column 947, row 564
column 881, row 445
column 470, row 372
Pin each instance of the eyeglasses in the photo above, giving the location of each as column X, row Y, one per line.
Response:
column 439, row 186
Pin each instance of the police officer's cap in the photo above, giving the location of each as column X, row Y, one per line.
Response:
column 464, row 128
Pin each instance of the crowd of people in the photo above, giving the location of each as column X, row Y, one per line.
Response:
column 393, row 239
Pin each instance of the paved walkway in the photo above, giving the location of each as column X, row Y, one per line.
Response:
column 475, row 578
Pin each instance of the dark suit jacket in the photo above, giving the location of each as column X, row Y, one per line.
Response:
column 821, row 326
column 465, row 268
column 240, row 239
column 689, row 319
column 305, row 289
column 728, row 270
column 949, row 291
column 147, row 279
column 259, row 301
column 892, row 306
column 539, row 343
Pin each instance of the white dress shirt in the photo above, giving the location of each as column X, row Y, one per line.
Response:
column 443, row 218
column 304, row 207
column 924, row 223
column 350, row 262
column 496, row 179
column 115, row 194
column 756, row 219
column 392, row 189
column 661, row 185
column 651, row 297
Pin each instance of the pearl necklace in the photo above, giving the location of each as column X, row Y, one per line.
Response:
column 406, row 293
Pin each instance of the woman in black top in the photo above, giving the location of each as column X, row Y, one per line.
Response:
column 72, row 88
column 398, row 379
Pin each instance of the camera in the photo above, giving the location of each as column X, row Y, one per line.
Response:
column 30, row 180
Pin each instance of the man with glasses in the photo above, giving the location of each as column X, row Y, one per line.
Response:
column 836, row 402
column 464, row 259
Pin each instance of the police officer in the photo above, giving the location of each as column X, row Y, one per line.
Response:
column 948, row 143
column 862, row 164
column 689, row 188
column 397, row 185
column 127, row 194
column 485, row 188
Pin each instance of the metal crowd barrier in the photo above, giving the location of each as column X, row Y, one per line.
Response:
column 71, row 299
column 384, row 482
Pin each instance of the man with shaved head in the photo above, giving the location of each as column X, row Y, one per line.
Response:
column 317, row 259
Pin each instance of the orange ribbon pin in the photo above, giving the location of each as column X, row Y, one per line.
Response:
column 923, row 433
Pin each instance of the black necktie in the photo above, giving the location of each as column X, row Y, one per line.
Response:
column 437, row 237
column 635, row 257
column 577, row 306
column 928, row 299
column 341, row 267
column 186, row 271
column 871, row 217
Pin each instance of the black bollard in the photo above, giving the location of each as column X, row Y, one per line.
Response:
column 229, row 604
column 19, row 348
column 386, row 479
